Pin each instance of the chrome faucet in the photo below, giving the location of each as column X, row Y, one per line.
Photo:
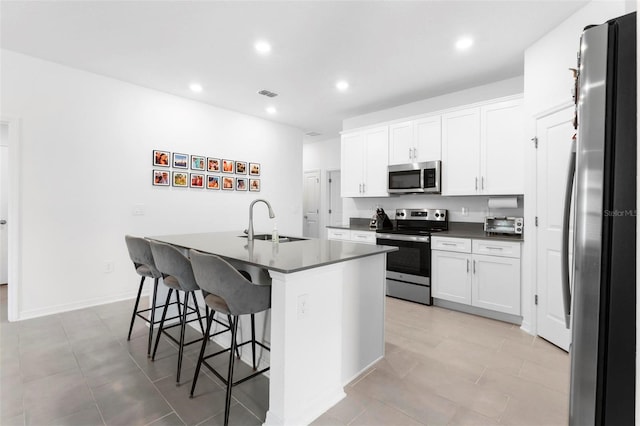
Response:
column 249, row 232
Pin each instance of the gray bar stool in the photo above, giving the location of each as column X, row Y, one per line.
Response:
column 142, row 258
column 177, row 275
column 230, row 292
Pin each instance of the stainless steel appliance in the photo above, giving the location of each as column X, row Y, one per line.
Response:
column 602, row 306
column 409, row 268
column 503, row 225
column 380, row 220
column 415, row 178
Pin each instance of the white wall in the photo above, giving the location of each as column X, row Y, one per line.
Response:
column 472, row 95
column 547, row 84
column 324, row 156
column 86, row 144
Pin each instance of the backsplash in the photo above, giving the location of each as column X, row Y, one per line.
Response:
column 475, row 206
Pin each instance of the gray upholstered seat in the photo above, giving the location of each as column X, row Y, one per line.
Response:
column 142, row 258
column 229, row 291
column 177, row 276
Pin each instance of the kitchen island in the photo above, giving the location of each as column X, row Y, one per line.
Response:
column 326, row 318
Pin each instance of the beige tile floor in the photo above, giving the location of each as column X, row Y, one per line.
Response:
column 448, row 368
column 441, row 367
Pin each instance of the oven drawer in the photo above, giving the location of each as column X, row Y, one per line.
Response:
column 496, row 248
column 462, row 245
column 407, row 291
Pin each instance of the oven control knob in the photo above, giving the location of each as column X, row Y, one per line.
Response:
column 437, row 214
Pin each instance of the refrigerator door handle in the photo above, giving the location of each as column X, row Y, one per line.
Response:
column 566, row 285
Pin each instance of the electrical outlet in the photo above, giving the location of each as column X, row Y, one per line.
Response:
column 138, row 210
column 109, row 266
column 303, row 306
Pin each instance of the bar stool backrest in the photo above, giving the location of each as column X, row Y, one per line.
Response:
column 140, row 254
column 216, row 276
column 170, row 261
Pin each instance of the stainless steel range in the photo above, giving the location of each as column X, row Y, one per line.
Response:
column 409, row 268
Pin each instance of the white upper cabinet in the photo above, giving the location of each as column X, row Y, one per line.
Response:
column 482, row 150
column 415, row 141
column 364, row 162
column 502, row 148
column 461, row 152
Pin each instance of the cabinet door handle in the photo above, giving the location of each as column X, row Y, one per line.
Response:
column 363, row 188
column 448, row 244
column 467, row 266
column 474, row 266
column 476, row 183
column 415, row 153
column 494, row 248
column 482, row 182
column 410, row 155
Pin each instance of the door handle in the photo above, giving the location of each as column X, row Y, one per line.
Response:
column 306, row 217
column 566, row 285
column 3, row 222
column 467, row 266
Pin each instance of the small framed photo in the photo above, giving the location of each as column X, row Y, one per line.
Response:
column 180, row 179
column 213, row 182
column 254, row 169
column 227, row 166
column 213, row 165
column 197, row 180
column 180, row 161
column 161, row 177
column 241, row 167
column 197, row 162
column 227, row 183
column 241, row 184
column 161, row 158
column 254, row 185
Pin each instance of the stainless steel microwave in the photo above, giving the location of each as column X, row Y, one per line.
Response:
column 415, row 178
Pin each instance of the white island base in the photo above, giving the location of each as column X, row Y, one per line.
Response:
column 327, row 327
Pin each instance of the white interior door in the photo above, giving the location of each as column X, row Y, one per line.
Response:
column 311, row 204
column 4, row 188
column 335, row 200
column 554, row 133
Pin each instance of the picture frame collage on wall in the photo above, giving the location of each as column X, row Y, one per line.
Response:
column 195, row 171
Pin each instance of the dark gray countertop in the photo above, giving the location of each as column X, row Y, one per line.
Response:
column 285, row 257
column 474, row 230
column 456, row 229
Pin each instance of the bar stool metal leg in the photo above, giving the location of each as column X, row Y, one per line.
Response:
column 253, row 340
column 164, row 314
column 135, row 308
column 153, row 316
column 234, row 332
column 183, row 321
column 202, row 349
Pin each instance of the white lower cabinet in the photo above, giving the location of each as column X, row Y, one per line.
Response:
column 461, row 273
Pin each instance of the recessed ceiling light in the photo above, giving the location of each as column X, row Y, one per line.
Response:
column 342, row 85
column 464, row 43
column 263, row 47
column 271, row 110
column 195, row 87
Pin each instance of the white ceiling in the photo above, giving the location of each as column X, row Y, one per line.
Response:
column 392, row 52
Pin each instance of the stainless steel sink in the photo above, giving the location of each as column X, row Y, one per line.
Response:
column 267, row 237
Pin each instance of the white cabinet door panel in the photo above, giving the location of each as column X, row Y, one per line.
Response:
column 496, row 283
column 450, row 276
column 401, row 143
column 352, row 165
column 376, row 162
column 502, row 148
column 461, row 152
column 428, row 139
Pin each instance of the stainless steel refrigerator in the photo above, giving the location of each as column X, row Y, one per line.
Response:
column 602, row 304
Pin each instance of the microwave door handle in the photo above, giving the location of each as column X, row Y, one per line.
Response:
column 566, row 285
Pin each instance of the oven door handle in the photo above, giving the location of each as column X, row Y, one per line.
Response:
column 399, row 237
